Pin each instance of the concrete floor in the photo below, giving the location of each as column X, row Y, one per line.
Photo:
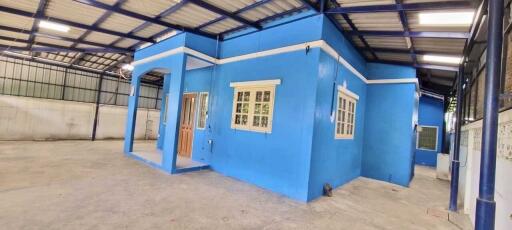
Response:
column 91, row 185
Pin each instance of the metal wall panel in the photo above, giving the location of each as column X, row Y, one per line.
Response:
column 31, row 79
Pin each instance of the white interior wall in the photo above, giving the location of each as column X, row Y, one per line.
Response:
column 25, row 118
column 470, row 169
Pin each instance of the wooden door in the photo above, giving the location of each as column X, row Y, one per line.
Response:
column 188, row 107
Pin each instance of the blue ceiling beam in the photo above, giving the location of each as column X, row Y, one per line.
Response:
column 423, row 66
column 141, row 17
column 142, row 26
column 263, row 20
column 412, row 34
column 249, row 7
column 451, row 5
column 46, row 47
column 310, row 5
column 55, row 37
column 41, row 8
column 97, row 23
column 416, row 53
column 405, row 26
column 222, row 12
column 355, row 30
column 73, row 24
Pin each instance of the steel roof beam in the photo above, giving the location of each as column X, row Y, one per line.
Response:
column 16, row 30
column 98, row 22
column 412, row 34
column 45, row 47
column 424, row 66
column 249, row 7
column 261, row 21
column 142, row 17
column 355, row 30
column 222, row 12
column 35, row 25
column 405, row 26
column 404, row 51
column 402, row 7
column 142, row 26
column 73, row 24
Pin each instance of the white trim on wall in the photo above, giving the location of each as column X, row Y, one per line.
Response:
column 349, row 93
column 255, row 83
column 313, row 44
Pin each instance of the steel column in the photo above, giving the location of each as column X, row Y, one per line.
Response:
column 98, row 97
column 485, row 204
column 454, row 183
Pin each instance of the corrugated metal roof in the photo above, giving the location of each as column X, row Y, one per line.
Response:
column 125, row 27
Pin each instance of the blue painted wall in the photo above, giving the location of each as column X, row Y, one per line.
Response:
column 431, row 113
column 388, row 135
column 301, row 153
column 335, row 161
column 280, row 160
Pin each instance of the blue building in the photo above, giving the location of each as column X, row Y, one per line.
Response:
column 288, row 108
column 430, row 135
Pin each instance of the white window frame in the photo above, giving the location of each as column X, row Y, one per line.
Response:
column 252, row 87
column 200, row 100
column 349, row 96
column 418, row 137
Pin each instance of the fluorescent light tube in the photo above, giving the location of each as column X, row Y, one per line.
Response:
column 446, row 18
column 54, row 26
column 442, row 59
column 128, row 67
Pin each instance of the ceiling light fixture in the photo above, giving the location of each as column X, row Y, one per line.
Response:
column 128, row 67
column 447, row 19
column 442, row 59
column 54, row 26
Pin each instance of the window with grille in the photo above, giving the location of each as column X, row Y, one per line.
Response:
column 345, row 114
column 203, row 110
column 427, row 138
column 253, row 105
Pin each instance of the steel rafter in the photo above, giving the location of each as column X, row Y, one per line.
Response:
column 45, row 47
column 55, row 37
column 355, row 30
column 412, row 34
column 249, row 7
column 142, row 26
column 405, row 26
column 402, row 7
column 73, row 24
column 225, row 13
column 97, row 23
column 35, row 25
column 142, row 17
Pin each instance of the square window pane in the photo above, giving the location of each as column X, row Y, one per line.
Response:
column 246, row 96
column 238, row 107
column 256, row 121
column 259, row 96
column 245, row 108
column 257, row 108
column 237, row 119
column 266, row 96
column 244, row 119
column 264, row 121
column 239, row 96
column 266, row 109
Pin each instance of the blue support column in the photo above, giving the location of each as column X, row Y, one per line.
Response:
column 133, row 101
column 170, row 143
column 485, row 204
column 161, row 128
column 454, row 184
